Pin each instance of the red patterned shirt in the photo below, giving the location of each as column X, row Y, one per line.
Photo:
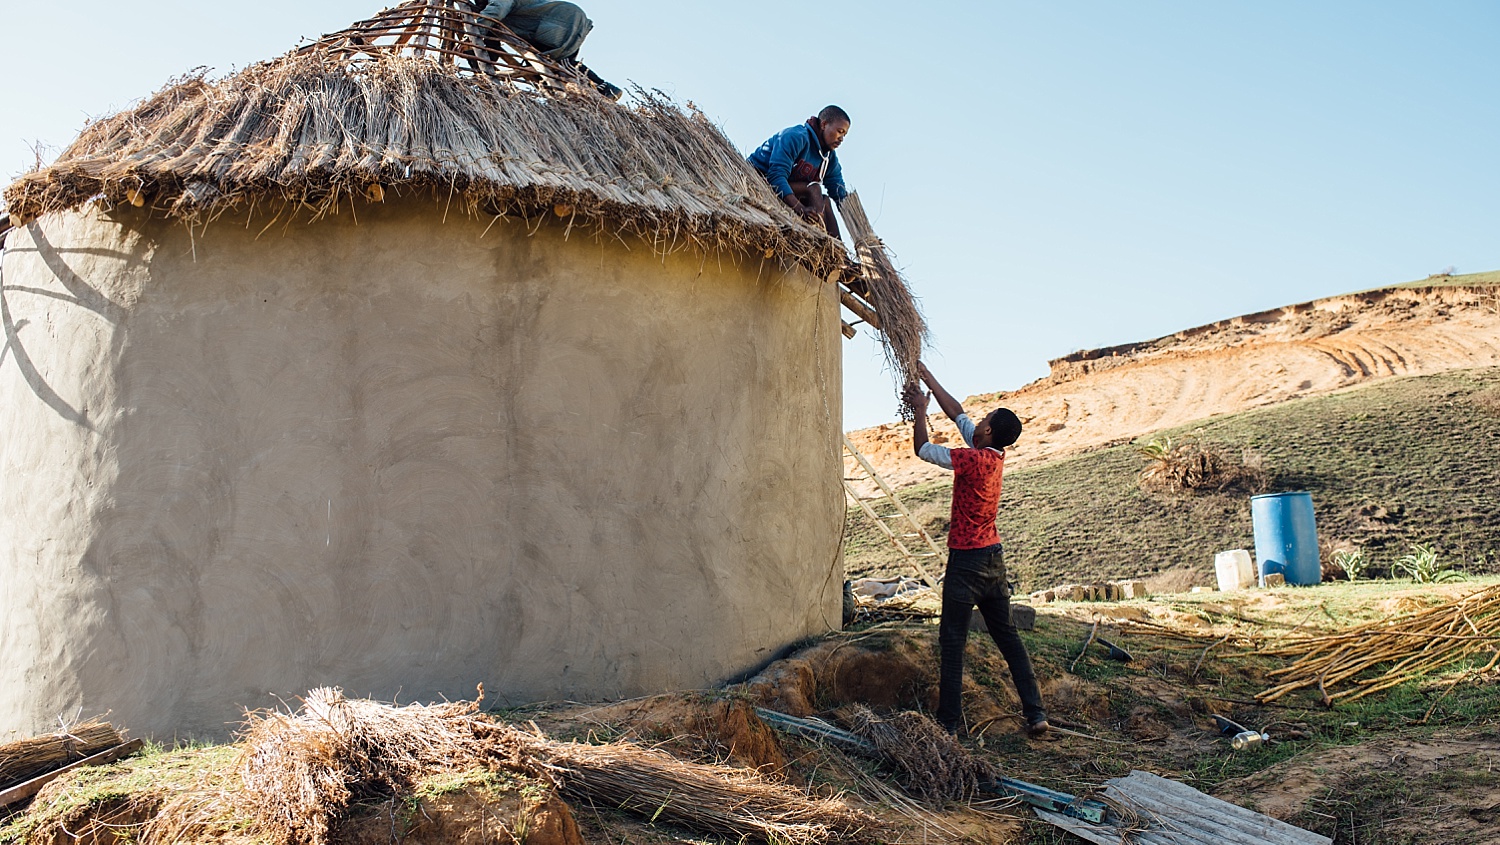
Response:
column 976, row 498
column 976, row 488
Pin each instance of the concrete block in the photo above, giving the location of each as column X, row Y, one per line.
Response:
column 1133, row 590
column 1275, row 579
column 1023, row 616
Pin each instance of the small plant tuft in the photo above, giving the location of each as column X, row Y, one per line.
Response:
column 1352, row 561
column 1193, row 465
column 1424, row 566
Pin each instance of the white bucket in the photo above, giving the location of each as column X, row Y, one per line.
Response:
column 1235, row 570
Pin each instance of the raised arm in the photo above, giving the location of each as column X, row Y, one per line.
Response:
column 950, row 406
column 916, row 400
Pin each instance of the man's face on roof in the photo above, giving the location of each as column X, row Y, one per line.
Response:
column 834, row 132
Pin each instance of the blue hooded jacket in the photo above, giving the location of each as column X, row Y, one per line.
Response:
column 781, row 152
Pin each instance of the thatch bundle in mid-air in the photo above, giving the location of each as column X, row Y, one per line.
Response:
column 903, row 329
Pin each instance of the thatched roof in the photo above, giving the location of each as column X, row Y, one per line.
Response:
column 427, row 98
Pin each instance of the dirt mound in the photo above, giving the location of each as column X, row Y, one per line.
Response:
column 474, row 816
column 1439, row 790
column 1111, row 395
column 890, row 673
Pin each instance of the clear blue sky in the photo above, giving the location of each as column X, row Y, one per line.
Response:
column 1052, row 175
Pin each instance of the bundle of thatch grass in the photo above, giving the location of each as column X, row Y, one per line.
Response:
column 733, row 803
column 929, row 762
column 903, row 329
column 28, row 758
column 301, row 773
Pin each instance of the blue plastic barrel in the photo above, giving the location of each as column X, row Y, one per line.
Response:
column 1286, row 537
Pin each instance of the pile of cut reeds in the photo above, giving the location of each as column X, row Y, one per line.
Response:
column 301, row 772
column 28, row 758
column 733, row 803
column 903, row 330
column 1411, row 648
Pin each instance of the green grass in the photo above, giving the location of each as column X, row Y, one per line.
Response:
column 1458, row 280
column 1389, row 465
column 144, row 779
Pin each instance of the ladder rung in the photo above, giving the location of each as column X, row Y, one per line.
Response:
column 926, row 554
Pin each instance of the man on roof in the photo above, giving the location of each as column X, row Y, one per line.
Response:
column 556, row 29
column 800, row 163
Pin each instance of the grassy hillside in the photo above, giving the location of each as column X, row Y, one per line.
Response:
column 1391, row 464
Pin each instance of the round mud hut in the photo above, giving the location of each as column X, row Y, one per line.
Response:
column 407, row 362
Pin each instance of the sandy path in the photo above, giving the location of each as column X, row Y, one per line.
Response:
column 1106, row 396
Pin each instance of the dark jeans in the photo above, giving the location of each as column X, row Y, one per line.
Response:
column 977, row 577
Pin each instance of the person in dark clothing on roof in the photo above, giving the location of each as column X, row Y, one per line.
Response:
column 800, row 163
column 557, row 29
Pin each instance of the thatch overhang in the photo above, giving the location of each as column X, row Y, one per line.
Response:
column 428, row 99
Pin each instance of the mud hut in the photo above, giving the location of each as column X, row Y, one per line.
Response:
column 404, row 362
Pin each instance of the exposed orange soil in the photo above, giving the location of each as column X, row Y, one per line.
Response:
column 1100, row 397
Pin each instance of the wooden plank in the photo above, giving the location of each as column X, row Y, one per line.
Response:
column 16, row 794
column 1181, row 815
column 847, row 329
column 860, row 310
column 1213, row 818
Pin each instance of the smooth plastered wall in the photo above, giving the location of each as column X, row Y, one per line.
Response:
column 402, row 455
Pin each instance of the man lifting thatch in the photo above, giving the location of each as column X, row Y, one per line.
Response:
column 800, row 163
column 976, row 559
column 556, row 29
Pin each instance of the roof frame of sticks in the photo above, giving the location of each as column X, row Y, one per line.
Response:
column 450, row 32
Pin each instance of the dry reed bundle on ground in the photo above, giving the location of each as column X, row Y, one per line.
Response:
column 1411, row 649
column 734, row 803
column 902, row 327
column 28, row 758
column 301, row 772
column 930, row 764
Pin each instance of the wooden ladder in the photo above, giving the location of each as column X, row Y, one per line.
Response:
column 899, row 535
